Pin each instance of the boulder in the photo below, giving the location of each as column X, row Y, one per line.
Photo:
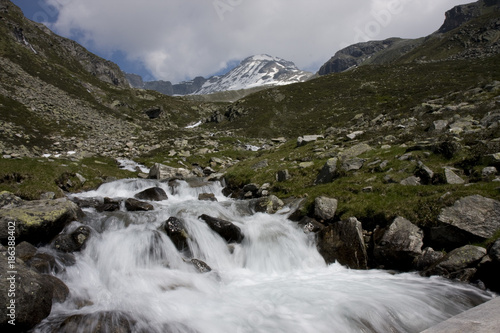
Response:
column 304, row 140
column 134, row 205
column 108, row 205
column 425, row 174
column 458, row 264
column 25, row 251
column 282, row 175
column 161, row 172
column 207, row 197
column 61, row 290
column 452, row 178
column 73, row 241
column 325, row 208
column 355, row 150
column 7, row 198
column 37, row 221
column 270, row 204
column 410, row 181
column 152, row 194
column 33, row 295
column 472, row 219
column 343, row 242
column 399, row 245
column 352, row 164
column 227, row 230
column 328, row 173
column 175, row 229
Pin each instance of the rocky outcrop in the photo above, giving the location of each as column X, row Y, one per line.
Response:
column 37, row 221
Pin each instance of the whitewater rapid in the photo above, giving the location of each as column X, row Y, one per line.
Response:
column 274, row 281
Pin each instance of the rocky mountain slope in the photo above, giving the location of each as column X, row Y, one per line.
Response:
column 253, row 72
column 396, row 50
column 56, row 97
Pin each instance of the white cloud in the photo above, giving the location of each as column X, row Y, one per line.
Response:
column 180, row 39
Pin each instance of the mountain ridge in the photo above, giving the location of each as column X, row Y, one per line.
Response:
column 252, row 72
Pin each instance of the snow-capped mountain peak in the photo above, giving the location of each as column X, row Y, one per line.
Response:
column 255, row 71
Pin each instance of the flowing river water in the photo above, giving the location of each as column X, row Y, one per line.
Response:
column 274, row 281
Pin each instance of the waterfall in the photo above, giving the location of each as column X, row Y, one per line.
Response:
column 273, row 281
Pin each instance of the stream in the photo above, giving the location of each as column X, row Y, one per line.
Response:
column 273, row 281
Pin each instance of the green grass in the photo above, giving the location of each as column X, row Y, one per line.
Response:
column 29, row 178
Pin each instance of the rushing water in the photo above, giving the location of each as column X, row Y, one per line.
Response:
column 274, row 281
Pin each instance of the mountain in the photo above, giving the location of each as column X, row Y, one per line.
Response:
column 256, row 71
column 253, row 72
column 444, row 43
column 166, row 87
column 55, row 96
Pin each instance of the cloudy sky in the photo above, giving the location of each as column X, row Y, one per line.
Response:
column 177, row 40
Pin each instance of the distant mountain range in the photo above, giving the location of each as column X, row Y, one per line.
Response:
column 255, row 71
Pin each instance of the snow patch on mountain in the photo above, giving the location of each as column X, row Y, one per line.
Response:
column 255, row 71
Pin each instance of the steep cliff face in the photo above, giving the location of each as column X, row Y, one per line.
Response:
column 461, row 14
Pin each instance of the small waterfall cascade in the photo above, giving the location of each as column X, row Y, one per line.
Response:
column 132, row 275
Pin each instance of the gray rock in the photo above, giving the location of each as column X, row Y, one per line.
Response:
column 410, row 181
column 470, row 219
column 352, row 164
column 424, row 173
column 400, row 244
column 282, row 175
column 133, row 205
column 439, row 125
column 458, row 260
column 152, row 194
column 260, row 165
column 33, row 295
column 428, row 258
column 489, row 172
column 227, row 230
column 355, row 150
column 174, row 227
column 270, row 204
column 343, row 242
column 73, row 241
column 452, row 178
column 207, row 197
column 7, row 198
column 494, row 251
column 162, row 172
column 37, row 221
column 303, row 140
column 325, row 208
column 328, row 173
